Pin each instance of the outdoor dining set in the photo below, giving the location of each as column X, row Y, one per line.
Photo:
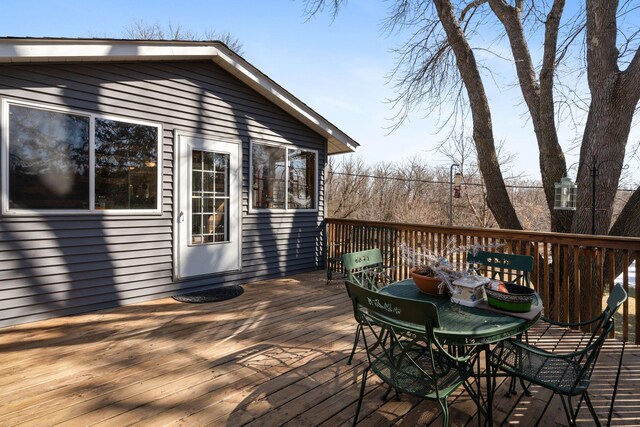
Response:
column 430, row 344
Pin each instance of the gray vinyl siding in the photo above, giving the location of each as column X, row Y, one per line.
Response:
column 65, row 264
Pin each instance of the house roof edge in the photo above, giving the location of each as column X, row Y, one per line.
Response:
column 43, row 50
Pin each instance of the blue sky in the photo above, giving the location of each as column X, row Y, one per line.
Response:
column 339, row 68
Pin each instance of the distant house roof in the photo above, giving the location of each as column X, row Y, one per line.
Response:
column 21, row 50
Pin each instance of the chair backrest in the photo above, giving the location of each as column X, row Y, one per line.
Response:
column 511, row 267
column 616, row 298
column 603, row 326
column 392, row 310
column 364, row 268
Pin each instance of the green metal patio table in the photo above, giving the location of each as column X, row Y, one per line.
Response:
column 463, row 326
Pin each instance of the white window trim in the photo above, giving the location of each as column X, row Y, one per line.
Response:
column 4, row 142
column 286, row 193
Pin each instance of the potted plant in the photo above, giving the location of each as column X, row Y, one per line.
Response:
column 431, row 273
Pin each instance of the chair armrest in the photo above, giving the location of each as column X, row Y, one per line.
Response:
column 551, row 355
column 570, row 324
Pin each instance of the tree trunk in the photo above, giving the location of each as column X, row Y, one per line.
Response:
column 538, row 96
column 497, row 196
column 614, row 95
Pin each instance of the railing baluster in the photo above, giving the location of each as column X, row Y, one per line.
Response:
column 555, row 249
column 587, row 285
column 636, row 327
column 545, row 279
column 565, row 282
column 611, row 263
column 576, row 285
column 625, row 306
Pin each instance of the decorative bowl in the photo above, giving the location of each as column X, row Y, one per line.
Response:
column 518, row 299
column 428, row 285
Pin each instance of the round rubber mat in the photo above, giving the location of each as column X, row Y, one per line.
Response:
column 211, row 295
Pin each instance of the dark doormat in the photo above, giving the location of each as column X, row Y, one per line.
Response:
column 211, row 295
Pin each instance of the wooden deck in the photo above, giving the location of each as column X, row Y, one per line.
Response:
column 274, row 356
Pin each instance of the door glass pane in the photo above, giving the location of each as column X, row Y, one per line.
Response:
column 207, row 183
column 210, row 208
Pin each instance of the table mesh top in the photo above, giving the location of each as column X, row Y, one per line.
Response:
column 464, row 325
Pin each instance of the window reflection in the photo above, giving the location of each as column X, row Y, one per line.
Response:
column 268, row 176
column 278, row 169
column 126, row 165
column 48, row 159
column 302, row 171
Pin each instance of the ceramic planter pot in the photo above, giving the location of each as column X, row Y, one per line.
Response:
column 426, row 284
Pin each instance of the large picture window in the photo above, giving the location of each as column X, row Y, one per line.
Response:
column 48, row 159
column 52, row 155
column 282, row 178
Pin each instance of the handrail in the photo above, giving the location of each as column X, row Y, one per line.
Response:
column 570, row 270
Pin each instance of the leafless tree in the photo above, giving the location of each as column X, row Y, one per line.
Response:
column 141, row 30
column 437, row 68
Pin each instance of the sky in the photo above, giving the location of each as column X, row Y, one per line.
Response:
column 340, row 67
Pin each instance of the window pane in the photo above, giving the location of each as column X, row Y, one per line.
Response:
column 48, row 159
column 207, row 184
column 126, row 165
column 268, row 176
column 302, row 172
column 197, row 160
column 196, row 205
column 207, row 205
column 214, row 175
column 208, row 161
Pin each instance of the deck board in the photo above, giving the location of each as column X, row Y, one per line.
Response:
column 276, row 355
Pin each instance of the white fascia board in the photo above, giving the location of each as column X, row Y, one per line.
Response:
column 67, row 50
column 72, row 52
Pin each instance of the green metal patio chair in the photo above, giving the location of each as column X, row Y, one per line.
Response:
column 505, row 267
column 365, row 269
column 565, row 374
column 402, row 349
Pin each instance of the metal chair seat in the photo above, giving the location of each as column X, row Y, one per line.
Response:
column 408, row 375
column 541, row 367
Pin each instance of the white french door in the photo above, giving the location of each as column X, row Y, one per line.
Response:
column 208, row 207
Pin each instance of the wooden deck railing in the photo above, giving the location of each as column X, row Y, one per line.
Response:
column 571, row 271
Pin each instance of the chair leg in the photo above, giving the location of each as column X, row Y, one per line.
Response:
column 362, row 386
column 355, row 344
column 525, row 388
column 385, row 396
column 568, row 409
column 591, row 408
column 445, row 411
